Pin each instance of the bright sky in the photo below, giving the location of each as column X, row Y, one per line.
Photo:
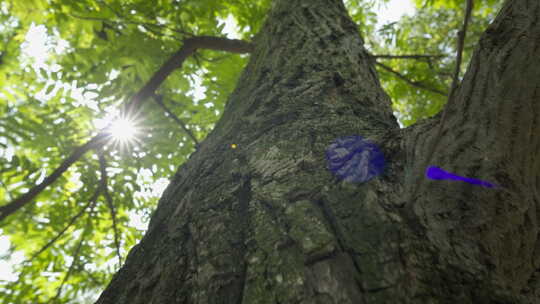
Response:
column 37, row 45
column 394, row 10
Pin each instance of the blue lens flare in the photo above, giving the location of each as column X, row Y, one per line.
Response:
column 439, row 174
column 354, row 159
column 358, row 160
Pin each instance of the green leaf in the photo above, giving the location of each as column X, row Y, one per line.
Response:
column 49, row 89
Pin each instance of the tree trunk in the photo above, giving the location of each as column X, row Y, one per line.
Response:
column 265, row 221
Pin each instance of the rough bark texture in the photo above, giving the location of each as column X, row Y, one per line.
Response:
column 268, row 223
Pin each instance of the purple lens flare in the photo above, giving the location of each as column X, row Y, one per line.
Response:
column 439, row 174
column 354, row 159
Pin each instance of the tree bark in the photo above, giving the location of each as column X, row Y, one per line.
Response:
column 266, row 222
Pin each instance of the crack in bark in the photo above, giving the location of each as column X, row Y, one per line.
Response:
column 244, row 196
column 332, row 223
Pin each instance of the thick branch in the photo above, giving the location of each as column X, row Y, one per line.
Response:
column 178, row 58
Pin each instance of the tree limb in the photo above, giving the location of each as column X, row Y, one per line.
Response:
column 455, row 78
column 407, row 80
column 177, row 59
column 91, row 203
column 108, row 198
column 144, row 24
column 76, row 254
column 159, row 100
column 22, row 200
column 383, row 56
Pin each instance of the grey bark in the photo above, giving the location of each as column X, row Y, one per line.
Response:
column 268, row 223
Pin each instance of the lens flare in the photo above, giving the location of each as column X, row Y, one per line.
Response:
column 123, row 130
column 440, row 174
column 355, row 159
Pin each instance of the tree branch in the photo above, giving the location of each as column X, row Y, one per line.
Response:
column 455, row 79
column 407, row 80
column 174, row 62
column 91, row 203
column 108, row 198
column 71, row 222
column 177, row 59
column 76, row 254
column 460, row 46
column 407, row 56
column 144, row 24
column 159, row 100
column 22, row 200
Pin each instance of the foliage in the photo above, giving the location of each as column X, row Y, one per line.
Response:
column 433, row 31
column 99, row 53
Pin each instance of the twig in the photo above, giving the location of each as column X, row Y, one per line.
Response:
column 106, row 22
column 407, row 80
column 407, row 56
column 90, row 275
column 91, row 203
column 71, row 222
column 159, row 100
column 104, row 177
column 76, row 254
column 144, row 24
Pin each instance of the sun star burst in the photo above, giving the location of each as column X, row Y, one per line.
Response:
column 123, row 130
